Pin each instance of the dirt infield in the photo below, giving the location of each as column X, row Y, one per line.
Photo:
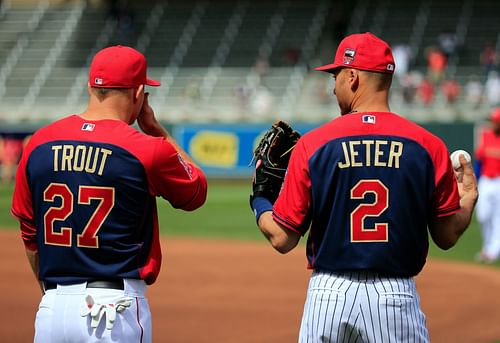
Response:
column 218, row 291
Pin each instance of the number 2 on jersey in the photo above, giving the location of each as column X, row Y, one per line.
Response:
column 88, row 238
column 359, row 233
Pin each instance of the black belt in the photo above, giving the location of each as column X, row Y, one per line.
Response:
column 111, row 284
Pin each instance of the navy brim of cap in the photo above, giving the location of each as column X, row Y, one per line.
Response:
column 329, row 68
column 154, row 83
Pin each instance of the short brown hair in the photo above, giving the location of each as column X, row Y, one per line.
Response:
column 101, row 93
column 382, row 81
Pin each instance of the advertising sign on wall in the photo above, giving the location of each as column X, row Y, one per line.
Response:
column 223, row 150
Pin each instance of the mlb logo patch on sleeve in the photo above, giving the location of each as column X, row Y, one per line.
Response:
column 88, row 127
column 368, row 119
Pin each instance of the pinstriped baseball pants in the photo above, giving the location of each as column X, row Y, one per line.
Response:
column 362, row 307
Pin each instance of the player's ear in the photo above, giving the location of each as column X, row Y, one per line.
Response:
column 353, row 78
column 138, row 92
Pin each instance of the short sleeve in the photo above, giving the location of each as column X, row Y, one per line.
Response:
column 22, row 207
column 445, row 199
column 292, row 206
column 178, row 181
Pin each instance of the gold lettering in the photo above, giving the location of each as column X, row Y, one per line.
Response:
column 394, row 154
column 379, row 153
column 56, row 149
column 345, row 164
column 79, row 159
column 67, row 156
column 90, row 168
column 368, row 145
column 105, row 153
column 354, row 153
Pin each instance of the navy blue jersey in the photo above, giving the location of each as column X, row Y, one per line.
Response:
column 366, row 185
column 85, row 195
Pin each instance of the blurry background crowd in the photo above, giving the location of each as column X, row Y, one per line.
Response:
column 241, row 61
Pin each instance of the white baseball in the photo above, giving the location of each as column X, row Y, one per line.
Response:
column 455, row 161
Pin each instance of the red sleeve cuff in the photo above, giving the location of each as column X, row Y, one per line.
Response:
column 28, row 234
column 32, row 246
column 287, row 224
column 448, row 211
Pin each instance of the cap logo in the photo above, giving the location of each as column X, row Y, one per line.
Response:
column 349, row 55
column 390, row 67
column 98, row 81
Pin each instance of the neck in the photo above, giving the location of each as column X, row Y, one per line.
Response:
column 370, row 102
column 92, row 115
column 114, row 108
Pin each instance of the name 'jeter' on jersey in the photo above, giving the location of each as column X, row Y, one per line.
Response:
column 371, row 152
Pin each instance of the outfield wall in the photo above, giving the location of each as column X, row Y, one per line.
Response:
column 225, row 150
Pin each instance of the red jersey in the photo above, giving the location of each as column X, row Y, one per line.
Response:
column 85, row 196
column 488, row 153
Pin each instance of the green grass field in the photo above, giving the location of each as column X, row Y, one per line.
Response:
column 226, row 215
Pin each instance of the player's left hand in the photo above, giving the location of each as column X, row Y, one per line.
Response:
column 272, row 156
column 467, row 183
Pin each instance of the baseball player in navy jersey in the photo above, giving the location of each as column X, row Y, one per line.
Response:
column 368, row 186
column 85, row 197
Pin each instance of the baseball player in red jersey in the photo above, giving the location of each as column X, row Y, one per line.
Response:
column 488, row 167
column 367, row 186
column 85, row 196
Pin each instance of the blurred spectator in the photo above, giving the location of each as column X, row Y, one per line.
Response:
column 448, row 43
column 11, row 151
column 242, row 92
column 474, row 91
column 409, row 86
column 262, row 101
column 488, row 58
column 122, row 13
column 492, row 89
column 191, row 92
column 451, row 90
column 426, row 92
column 436, row 64
column 261, row 66
column 292, row 56
column 402, row 56
column 323, row 90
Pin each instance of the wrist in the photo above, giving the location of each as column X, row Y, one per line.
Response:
column 260, row 205
column 154, row 128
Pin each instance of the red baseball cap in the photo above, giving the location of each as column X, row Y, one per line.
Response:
column 119, row 67
column 495, row 115
column 363, row 51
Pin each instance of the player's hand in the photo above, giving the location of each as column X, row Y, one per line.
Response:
column 148, row 122
column 467, row 183
column 146, row 118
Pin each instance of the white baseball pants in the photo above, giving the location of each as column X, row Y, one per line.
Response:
column 65, row 314
column 362, row 307
column 488, row 215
